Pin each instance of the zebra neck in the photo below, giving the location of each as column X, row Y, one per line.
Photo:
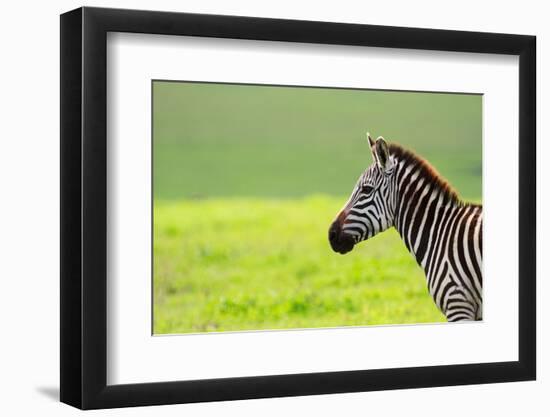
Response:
column 421, row 203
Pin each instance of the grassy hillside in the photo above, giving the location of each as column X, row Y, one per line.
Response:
column 214, row 140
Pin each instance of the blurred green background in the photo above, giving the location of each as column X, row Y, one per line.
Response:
column 247, row 180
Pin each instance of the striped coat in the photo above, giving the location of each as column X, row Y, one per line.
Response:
column 443, row 233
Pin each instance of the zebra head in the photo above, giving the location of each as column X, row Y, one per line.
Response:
column 369, row 209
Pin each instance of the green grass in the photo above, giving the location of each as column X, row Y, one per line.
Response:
column 250, row 264
column 246, row 182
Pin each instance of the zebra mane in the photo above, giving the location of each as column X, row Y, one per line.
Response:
column 427, row 171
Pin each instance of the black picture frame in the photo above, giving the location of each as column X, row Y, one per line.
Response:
column 84, row 207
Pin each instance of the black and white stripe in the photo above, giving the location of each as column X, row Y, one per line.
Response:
column 443, row 233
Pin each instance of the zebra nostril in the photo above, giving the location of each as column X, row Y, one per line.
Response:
column 332, row 235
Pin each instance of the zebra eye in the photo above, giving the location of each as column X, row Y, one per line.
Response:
column 367, row 189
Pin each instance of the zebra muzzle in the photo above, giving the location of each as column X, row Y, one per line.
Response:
column 339, row 241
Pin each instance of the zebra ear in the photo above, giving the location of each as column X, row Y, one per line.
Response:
column 382, row 154
column 372, row 146
column 371, row 142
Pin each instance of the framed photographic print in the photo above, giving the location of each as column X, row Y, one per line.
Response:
column 257, row 207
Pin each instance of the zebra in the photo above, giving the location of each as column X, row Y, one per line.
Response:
column 442, row 232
